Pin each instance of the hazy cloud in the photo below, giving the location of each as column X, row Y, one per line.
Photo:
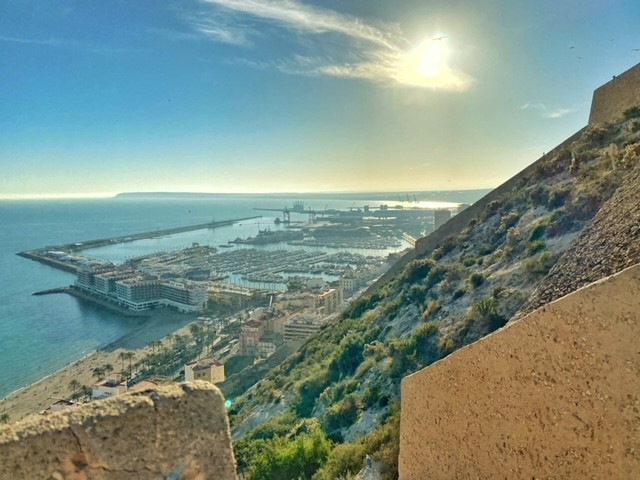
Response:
column 547, row 112
column 377, row 53
column 33, row 41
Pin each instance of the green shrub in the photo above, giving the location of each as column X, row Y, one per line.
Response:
column 469, row 261
column 290, row 459
column 541, row 264
column 536, row 247
column 537, row 232
column 416, row 270
column 348, row 356
column 308, row 392
column 509, row 220
column 458, row 294
column 341, row 415
column 371, row 396
column 539, row 196
column 476, row 279
column 558, row 197
column 363, row 304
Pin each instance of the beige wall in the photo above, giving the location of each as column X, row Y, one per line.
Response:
column 614, row 97
column 555, row 395
column 178, row 431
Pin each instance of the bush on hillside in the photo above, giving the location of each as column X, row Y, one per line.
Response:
column 632, row 112
column 341, row 415
column 476, row 279
column 308, row 392
column 536, row 247
column 348, row 357
column 416, row 270
column 541, row 264
column 284, row 458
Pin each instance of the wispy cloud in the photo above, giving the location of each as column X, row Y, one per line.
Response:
column 376, row 52
column 54, row 42
column 304, row 18
column 71, row 44
column 547, row 112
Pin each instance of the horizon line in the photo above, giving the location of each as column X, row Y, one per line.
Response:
column 103, row 195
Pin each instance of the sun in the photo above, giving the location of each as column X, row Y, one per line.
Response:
column 428, row 65
column 432, row 58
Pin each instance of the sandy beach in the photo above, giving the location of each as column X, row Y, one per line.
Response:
column 39, row 396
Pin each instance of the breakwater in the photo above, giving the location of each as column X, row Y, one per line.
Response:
column 54, row 255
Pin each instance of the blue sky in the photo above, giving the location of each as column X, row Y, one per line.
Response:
column 289, row 95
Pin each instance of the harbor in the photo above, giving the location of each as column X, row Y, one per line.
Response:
column 64, row 257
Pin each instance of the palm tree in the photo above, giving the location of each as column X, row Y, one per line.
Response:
column 87, row 392
column 4, row 418
column 122, row 357
column 155, row 344
column 74, row 385
column 108, row 368
column 129, row 356
column 98, row 373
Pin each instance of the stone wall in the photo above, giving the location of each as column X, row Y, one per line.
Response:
column 614, row 97
column 174, row 432
column 555, row 395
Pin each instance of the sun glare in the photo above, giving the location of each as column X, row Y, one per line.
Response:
column 432, row 58
column 428, row 65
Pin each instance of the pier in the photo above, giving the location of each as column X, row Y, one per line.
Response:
column 46, row 255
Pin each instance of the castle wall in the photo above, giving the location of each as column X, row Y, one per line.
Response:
column 177, row 431
column 554, row 395
column 614, row 97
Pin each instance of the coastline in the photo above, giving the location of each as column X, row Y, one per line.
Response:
column 38, row 396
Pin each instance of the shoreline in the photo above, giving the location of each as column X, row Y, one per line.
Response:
column 39, row 395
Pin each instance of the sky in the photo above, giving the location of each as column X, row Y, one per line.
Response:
column 295, row 95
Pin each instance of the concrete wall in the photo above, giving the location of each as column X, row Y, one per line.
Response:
column 174, row 432
column 614, row 97
column 555, row 395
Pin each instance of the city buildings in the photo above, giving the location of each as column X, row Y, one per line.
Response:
column 137, row 292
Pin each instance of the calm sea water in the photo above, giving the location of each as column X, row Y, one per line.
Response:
column 41, row 334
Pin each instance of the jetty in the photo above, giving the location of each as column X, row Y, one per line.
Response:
column 61, row 256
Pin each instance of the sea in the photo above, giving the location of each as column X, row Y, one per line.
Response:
column 42, row 334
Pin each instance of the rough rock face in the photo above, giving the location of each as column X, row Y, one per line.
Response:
column 610, row 243
column 555, row 395
column 174, row 432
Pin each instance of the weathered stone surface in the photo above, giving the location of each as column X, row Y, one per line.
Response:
column 554, row 395
column 174, row 432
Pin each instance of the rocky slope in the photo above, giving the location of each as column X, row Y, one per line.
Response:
column 609, row 244
column 342, row 386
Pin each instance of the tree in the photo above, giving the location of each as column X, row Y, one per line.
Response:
column 107, row 368
column 129, row 356
column 122, row 356
column 98, row 373
column 155, row 344
column 87, row 393
column 4, row 418
column 74, row 385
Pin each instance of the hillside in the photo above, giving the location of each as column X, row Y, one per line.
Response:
column 336, row 399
